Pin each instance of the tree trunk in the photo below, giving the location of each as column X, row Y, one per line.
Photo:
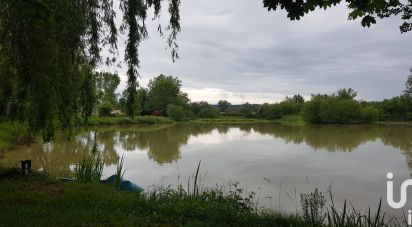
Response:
column 7, row 107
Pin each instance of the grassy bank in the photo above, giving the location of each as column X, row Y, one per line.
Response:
column 37, row 201
column 95, row 121
column 291, row 119
column 12, row 134
column 406, row 123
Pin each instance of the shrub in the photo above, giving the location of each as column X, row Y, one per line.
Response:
column 223, row 105
column 313, row 207
column 175, row 112
column 336, row 110
column 310, row 111
column 196, row 107
column 274, row 112
column 189, row 114
column 396, row 109
column 246, row 110
column 209, row 113
column 105, row 109
column 269, row 111
column 370, row 114
column 232, row 113
column 289, row 107
column 263, row 110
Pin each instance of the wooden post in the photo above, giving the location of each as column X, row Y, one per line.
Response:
column 25, row 166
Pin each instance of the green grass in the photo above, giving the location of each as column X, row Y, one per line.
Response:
column 228, row 120
column 94, row 121
column 12, row 134
column 89, row 169
column 36, row 201
column 291, row 119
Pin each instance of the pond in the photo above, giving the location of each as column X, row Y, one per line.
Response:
column 276, row 161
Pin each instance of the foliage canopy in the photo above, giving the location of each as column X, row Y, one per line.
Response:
column 49, row 49
column 369, row 11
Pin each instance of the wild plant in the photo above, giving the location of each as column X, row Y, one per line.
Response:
column 313, row 207
column 89, row 168
column 119, row 172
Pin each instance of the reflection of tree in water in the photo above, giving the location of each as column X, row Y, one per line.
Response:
column 329, row 137
column 341, row 137
column 106, row 141
column 58, row 157
column 400, row 137
column 163, row 145
column 163, row 142
column 285, row 132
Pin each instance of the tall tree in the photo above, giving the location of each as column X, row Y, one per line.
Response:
column 106, row 85
column 344, row 93
column 165, row 90
column 408, row 85
column 298, row 99
column 46, row 44
column 135, row 13
column 223, row 105
column 88, row 93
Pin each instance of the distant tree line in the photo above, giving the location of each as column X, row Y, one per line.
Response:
column 398, row 108
column 163, row 97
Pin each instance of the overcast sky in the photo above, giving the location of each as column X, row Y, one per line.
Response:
column 237, row 50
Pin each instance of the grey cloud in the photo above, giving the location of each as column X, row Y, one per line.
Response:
column 237, row 47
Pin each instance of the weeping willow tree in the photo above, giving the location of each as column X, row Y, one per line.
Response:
column 49, row 49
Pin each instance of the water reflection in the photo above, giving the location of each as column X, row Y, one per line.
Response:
column 163, row 143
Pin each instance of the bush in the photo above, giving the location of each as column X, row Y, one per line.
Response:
column 105, row 109
column 336, row 110
column 232, row 113
column 14, row 133
column 196, row 107
column 263, row 110
column 396, row 109
column 246, row 110
column 269, row 111
column 370, row 114
column 175, row 112
column 189, row 114
column 289, row 107
column 313, row 207
column 310, row 111
column 209, row 113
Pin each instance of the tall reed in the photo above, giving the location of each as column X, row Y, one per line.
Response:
column 315, row 213
column 89, row 168
column 119, row 172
